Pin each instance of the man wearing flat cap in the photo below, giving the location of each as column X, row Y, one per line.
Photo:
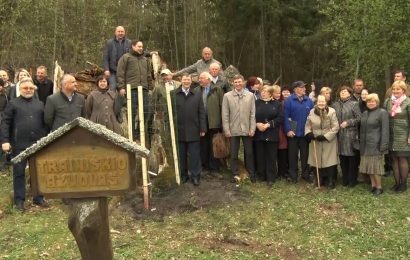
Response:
column 296, row 111
column 159, row 95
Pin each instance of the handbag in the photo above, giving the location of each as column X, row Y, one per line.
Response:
column 220, row 146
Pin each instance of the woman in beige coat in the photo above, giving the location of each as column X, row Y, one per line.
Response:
column 321, row 128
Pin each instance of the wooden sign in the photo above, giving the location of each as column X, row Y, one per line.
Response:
column 81, row 165
column 81, row 160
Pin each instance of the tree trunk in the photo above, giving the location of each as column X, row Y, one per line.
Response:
column 175, row 32
column 185, row 39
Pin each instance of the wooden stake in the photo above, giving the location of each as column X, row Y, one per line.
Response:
column 317, row 166
column 142, row 139
column 129, row 112
column 171, row 126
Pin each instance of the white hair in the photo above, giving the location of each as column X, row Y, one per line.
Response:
column 207, row 74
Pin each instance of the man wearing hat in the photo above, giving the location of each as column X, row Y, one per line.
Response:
column 296, row 111
column 159, row 95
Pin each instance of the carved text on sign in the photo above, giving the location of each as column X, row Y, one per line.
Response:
column 81, row 174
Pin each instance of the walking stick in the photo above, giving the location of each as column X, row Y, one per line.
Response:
column 142, row 136
column 317, row 168
column 172, row 128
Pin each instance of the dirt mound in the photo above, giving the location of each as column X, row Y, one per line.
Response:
column 212, row 192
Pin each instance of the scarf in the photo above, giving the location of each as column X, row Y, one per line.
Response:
column 396, row 108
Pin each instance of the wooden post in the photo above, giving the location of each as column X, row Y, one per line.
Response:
column 129, row 113
column 142, row 137
column 171, row 126
column 88, row 222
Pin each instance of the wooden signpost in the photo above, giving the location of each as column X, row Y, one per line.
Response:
column 84, row 163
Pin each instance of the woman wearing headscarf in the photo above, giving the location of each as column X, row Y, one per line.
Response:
column 321, row 128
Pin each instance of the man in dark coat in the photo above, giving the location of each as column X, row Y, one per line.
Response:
column 22, row 125
column 64, row 106
column 191, row 126
column 113, row 51
column 44, row 84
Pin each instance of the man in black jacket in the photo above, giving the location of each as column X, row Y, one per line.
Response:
column 113, row 51
column 22, row 125
column 44, row 84
column 65, row 105
column 191, row 126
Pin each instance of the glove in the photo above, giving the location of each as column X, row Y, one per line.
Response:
column 321, row 138
column 310, row 136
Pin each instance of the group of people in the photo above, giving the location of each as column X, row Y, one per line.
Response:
column 278, row 126
column 358, row 131
column 34, row 110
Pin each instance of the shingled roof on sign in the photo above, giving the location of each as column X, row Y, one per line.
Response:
column 97, row 129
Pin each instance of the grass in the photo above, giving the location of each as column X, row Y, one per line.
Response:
column 285, row 222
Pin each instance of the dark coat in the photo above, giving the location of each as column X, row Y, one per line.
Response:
column 102, row 108
column 110, row 55
column 59, row 110
column 4, row 99
column 22, row 123
column 223, row 84
column 190, row 114
column 134, row 69
column 214, row 106
column 44, row 89
column 268, row 112
column 347, row 111
column 374, row 132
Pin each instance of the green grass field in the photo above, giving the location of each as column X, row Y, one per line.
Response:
column 285, row 222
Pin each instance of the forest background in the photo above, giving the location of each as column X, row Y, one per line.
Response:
column 295, row 39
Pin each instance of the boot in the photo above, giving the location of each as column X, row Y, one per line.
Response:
column 253, row 177
column 331, row 184
column 402, row 187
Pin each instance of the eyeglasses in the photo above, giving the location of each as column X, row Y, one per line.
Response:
column 27, row 88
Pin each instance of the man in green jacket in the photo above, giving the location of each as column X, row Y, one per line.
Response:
column 135, row 69
column 212, row 97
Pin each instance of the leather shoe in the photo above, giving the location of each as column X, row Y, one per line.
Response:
column 308, row 178
column 41, row 203
column 195, row 181
column 395, row 187
column 401, row 188
column 377, row 192
column 20, row 205
column 184, row 179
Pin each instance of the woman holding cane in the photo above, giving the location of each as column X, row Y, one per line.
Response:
column 321, row 128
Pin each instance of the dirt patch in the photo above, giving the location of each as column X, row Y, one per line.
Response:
column 338, row 212
column 331, row 209
column 211, row 193
column 227, row 243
